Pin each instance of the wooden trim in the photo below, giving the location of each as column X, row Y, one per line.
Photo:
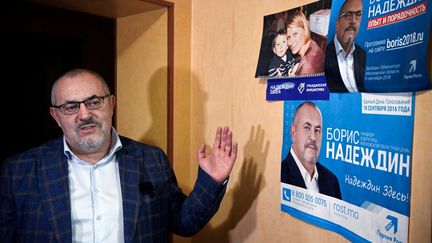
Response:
column 170, row 76
column 163, row 3
column 170, row 87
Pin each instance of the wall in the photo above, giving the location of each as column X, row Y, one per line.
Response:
column 216, row 45
column 421, row 183
column 142, row 77
column 184, row 158
column 226, row 38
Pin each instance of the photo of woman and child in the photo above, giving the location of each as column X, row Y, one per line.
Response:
column 294, row 51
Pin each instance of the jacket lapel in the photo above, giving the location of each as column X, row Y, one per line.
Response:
column 129, row 179
column 295, row 173
column 54, row 190
column 359, row 68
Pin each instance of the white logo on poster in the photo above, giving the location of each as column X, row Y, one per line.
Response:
column 276, row 89
column 301, row 88
column 413, row 66
column 287, row 194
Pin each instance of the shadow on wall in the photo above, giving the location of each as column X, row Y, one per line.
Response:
column 156, row 134
column 238, row 209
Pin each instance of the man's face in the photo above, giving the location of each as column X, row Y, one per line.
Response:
column 296, row 38
column 306, row 134
column 280, row 46
column 348, row 23
column 86, row 131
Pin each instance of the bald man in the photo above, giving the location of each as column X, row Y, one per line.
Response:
column 94, row 185
column 345, row 60
column 301, row 167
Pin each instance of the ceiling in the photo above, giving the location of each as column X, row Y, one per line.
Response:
column 106, row 8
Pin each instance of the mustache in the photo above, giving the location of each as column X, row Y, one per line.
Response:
column 89, row 121
column 311, row 144
column 350, row 27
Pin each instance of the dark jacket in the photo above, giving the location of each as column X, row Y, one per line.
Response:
column 327, row 182
column 35, row 200
column 332, row 74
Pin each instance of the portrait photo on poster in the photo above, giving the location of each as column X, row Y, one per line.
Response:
column 378, row 47
column 293, row 42
column 343, row 168
column 301, row 167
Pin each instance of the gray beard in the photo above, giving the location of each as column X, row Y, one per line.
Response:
column 90, row 145
column 348, row 40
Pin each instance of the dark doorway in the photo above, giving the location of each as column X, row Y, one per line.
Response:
column 38, row 44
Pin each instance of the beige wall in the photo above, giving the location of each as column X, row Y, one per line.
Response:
column 216, row 46
column 184, row 157
column 421, row 182
column 226, row 37
column 142, row 83
column 142, row 77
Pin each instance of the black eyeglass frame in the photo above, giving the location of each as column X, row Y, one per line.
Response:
column 350, row 14
column 78, row 104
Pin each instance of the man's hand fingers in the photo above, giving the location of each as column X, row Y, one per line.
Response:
column 224, row 138
column 233, row 154
column 201, row 151
column 218, row 138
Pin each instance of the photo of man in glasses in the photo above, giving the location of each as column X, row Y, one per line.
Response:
column 344, row 59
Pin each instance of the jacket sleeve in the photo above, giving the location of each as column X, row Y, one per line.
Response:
column 7, row 207
column 189, row 215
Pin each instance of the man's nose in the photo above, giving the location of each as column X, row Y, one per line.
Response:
column 83, row 110
column 354, row 19
column 312, row 136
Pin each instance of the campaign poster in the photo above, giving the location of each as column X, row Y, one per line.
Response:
column 378, row 46
column 346, row 164
column 292, row 52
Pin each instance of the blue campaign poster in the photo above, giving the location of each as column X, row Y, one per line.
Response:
column 365, row 141
column 391, row 45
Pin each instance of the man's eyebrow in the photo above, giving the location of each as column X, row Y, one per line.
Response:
column 76, row 101
column 309, row 124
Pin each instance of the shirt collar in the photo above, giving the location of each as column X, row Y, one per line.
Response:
column 116, row 145
column 339, row 48
column 303, row 171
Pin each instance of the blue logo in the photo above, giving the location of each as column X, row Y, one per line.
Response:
column 393, row 223
column 286, row 194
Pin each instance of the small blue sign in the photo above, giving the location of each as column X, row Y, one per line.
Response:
column 286, row 195
column 299, row 88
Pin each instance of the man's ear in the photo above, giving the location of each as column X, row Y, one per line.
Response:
column 112, row 101
column 292, row 132
column 54, row 115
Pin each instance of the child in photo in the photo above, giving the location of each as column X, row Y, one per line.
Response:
column 283, row 60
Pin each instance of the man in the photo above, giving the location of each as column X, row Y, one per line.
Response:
column 301, row 167
column 92, row 185
column 345, row 60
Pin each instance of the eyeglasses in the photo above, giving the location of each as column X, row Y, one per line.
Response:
column 92, row 103
column 349, row 15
